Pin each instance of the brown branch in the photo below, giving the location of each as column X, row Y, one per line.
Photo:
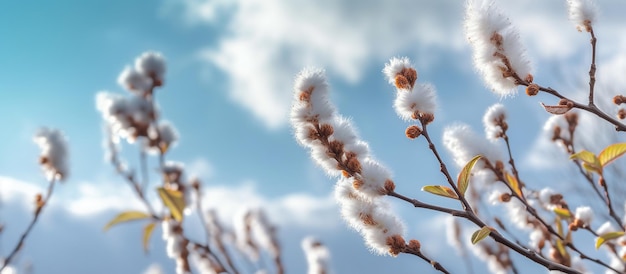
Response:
column 436, row 265
column 592, row 68
column 495, row 235
column 41, row 203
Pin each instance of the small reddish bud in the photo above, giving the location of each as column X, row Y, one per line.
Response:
column 427, row 118
column 353, row 165
column 505, row 197
column 619, row 99
column 305, row 95
column 402, row 82
column 345, row 174
column 532, row 89
column 413, row 132
column 415, row 245
column 621, row 114
column 390, row 186
column 396, row 244
column 326, row 130
column 499, row 166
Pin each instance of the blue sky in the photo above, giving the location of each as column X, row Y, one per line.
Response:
column 231, row 65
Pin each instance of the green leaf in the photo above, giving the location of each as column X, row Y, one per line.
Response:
column 562, row 212
column 590, row 161
column 513, row 183
column 466, row 172
column 147, row 232
column 480, row 234
column 174, row 201
column 611, row 153
column 441, row 191
column 126, row 217
column 607, row 237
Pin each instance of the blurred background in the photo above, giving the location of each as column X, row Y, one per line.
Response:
column 228, row 90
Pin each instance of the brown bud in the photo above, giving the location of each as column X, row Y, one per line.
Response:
column 427, row 118
column 413, row 132
column 505, row 197
column 353, row 165
column 621, row 114
column 345, row 174
column 563, row 102
column 396, row 244
column 415, row 245
column 572, row 227
column 305, row 95
column 496, row 39
column 410, row 74
column 326, row 130
column 195, row 184
column 532, row 89
column 402, row 82
column 619, row 99
column 335, row 148
column 390, row 186
column 499, row 165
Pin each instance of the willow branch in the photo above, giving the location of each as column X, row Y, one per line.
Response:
column 40, row 205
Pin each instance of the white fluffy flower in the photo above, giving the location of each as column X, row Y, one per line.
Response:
column 134, row 81
column 410, row 97
column 174, row 241
column 493, row 119
column 162, row 138
column 128, row 116
column 495, row 40
column 151, row 64
column 463, row 143
column 394, row 67
column 585, row 214
column 422, row 98
column 557, row 121
column 317, row 255
column 582, row 13
column 54, row 153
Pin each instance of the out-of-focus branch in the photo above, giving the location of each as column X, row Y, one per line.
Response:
column 40, row 203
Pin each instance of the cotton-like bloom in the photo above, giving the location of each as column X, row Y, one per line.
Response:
column 463, row 143
column 582, row 13
column 497, row 50
column 495, row 121
column 584, row 214
column 370, row 217
column 411, row 99
column 242, row 224
column 134, row 81
column 335, row 146
column 54, row 153
column 557, row 127
column 129, row 117
column 161, row 139
column 317, row 256
column 152, row 65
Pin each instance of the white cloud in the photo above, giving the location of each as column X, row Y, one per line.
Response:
column 200, row 168
column 154, row 269
column 267, row 42
column 295, row 209
column 89, row 200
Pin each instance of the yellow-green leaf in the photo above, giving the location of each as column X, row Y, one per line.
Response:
column 174, row 201
column 126, row 217
column 513, row 183
column 466, row 172
column 480, row 234
column 592, row 162
column 562, row 212
column 611, row 153
column 441, row 191
column 147, row 232
column 607, row 237
column 561, row 248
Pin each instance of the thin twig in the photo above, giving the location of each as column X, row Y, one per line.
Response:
column 38, row 210
column 436, row 265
